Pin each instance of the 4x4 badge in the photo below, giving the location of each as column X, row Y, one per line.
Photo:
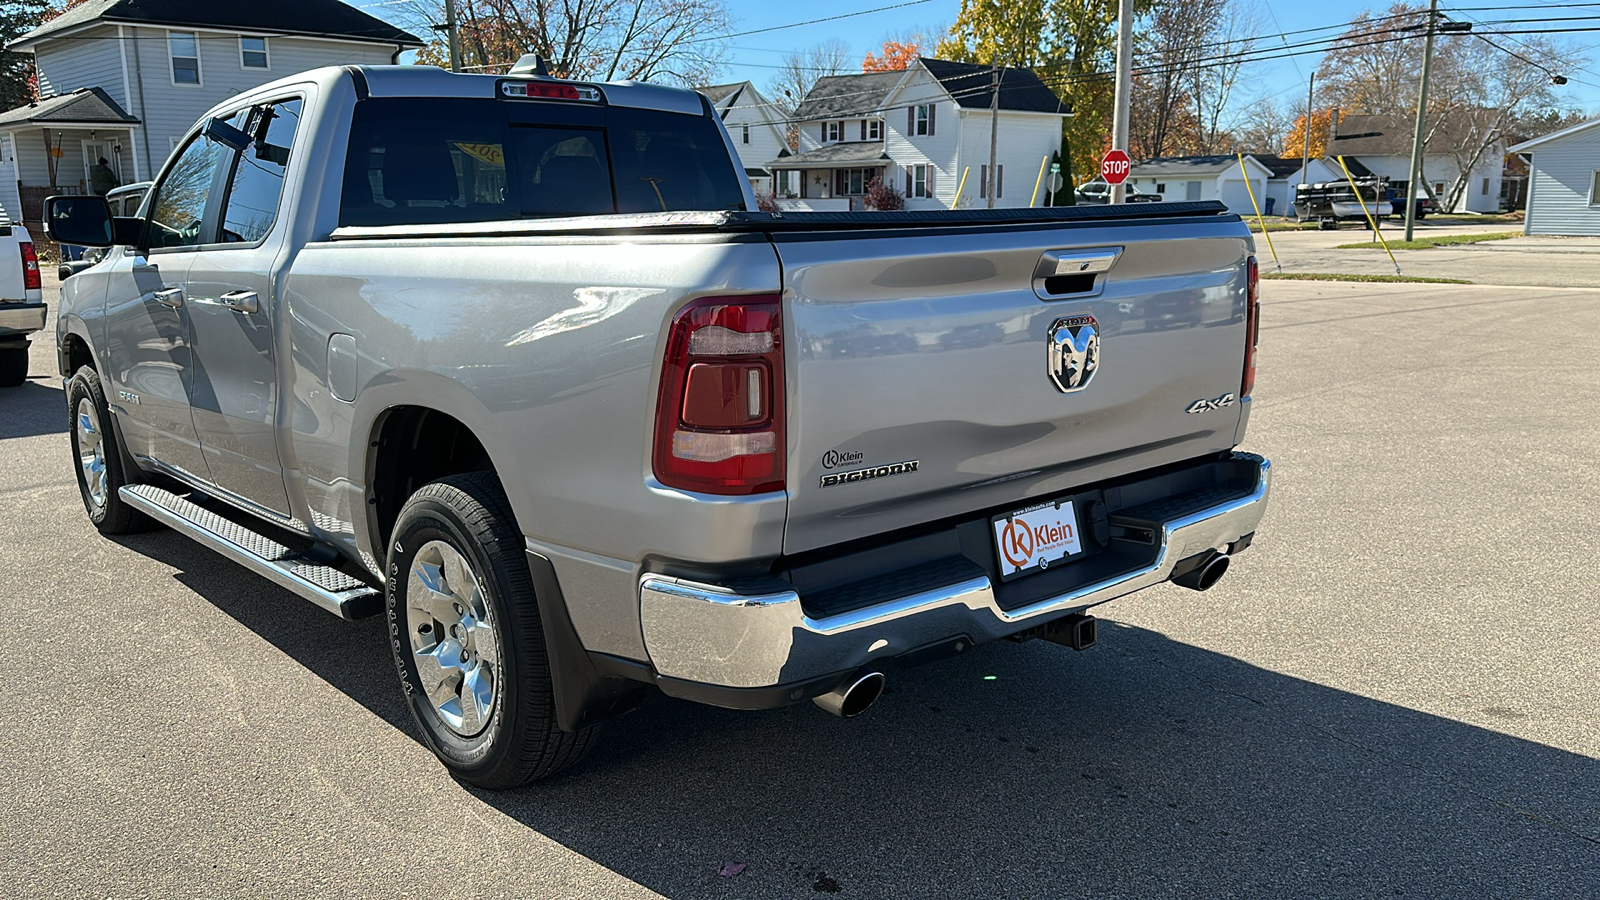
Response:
column 1074, row 352
column 1200, row 406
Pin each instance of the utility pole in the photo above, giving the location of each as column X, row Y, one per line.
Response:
column 1305, row 155
column 1119, row 117
column 994, row 128
column 450, row 35
column 1422, row 116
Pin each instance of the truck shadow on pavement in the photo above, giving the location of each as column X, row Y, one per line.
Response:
column 1143, row 768
column 32, row 408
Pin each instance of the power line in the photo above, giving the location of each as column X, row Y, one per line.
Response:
column 850, row 15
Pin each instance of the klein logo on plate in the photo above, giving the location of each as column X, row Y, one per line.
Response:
column 1036, row 537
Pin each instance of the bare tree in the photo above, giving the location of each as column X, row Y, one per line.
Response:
column 644, row 40
column 801, row 70
column 1268, row 128
column 1211, row 82
column 1175, row 43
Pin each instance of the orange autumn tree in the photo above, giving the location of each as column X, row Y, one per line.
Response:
column 1294, row 142
column 895, row 57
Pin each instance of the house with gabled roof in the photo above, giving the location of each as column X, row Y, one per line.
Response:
column 1382, row 145
column 1563, row 181
column 123, row 80
column 757, row 128
column 925, row 131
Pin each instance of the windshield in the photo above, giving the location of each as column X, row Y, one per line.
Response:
column 425, row 161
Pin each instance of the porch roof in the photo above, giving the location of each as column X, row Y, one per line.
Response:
column 84, row 106
column 831, row 156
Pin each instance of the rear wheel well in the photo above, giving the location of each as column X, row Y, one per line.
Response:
column 410, row 447
column 75, row 350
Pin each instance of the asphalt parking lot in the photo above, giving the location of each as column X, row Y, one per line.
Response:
column 1393, row 694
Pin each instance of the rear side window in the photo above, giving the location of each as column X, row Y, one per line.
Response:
column 256, row 183
column 422, row 161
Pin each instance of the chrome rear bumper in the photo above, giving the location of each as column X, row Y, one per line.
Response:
column 711, row 635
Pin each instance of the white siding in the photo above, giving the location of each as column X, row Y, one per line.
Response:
column 169, row 109
column 88, row 59
column 766, row 137
column 939, row 150
column 8, row 178
column 1025, row 141
column 1444, row 169
column 1563, row 175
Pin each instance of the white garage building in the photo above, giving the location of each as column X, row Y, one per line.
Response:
column 1563, row 181
column 1204, row 178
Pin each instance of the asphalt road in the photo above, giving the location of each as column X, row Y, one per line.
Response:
column 1393, row 694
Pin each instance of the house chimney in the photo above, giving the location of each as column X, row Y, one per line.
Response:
column 1333, row 127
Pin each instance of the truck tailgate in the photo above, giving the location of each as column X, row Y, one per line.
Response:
column 919, row 364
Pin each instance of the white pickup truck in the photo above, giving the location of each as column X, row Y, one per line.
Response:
column 517, row 363
column 22, row 306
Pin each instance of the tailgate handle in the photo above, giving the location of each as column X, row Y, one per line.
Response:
column 1078, row 262
column 1073, row 273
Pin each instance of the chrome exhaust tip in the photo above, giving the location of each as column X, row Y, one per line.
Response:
column 1203, row 576
column 852, row 699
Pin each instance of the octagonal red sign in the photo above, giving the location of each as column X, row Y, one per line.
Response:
column 1115, row 167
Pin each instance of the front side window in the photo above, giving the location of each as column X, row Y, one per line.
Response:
column 874, row 129
column 921, row 120
column 473, row 165
column 834, row 130
column 746, row 129
column 178, row 213
column 256, row 185
column 185, row 51
column 253, row 52
column 919, row 181
column 1594, row 189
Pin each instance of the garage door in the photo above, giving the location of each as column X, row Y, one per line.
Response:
column 1237, row 196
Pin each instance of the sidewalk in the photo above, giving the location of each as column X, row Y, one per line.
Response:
column 1541, row 261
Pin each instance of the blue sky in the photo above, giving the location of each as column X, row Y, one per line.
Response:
column 755, row 57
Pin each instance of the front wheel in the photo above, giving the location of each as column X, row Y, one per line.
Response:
column 467, row 639
column 99, row 460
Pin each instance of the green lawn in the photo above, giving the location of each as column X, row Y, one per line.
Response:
column 1279, row 225
column 1344, row 276
column 1428, row 243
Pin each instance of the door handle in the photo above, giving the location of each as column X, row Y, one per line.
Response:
column 241, row 301
column 238, row 301
column 172, row 297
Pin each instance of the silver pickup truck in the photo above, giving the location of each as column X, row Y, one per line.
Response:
column 517, row 363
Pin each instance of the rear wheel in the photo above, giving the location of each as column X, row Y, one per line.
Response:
column 13, row 366
column 99, row 458
column 467, row 639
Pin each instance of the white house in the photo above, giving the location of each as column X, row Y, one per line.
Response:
column 1216, row 177
column 124, row 79
column 924, row 130
column 757, row 130
column 1563, row 181
column 1286, row 174
column 1382, row 146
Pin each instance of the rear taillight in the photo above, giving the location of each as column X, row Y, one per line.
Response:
column 30, row 267
column 719, row 423
column 1252, row 327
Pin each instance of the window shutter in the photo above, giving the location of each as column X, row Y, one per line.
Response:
column 999, row 181
column 823, row 132
column 863, row 129
column 929, row 182
column 908, row 181
column 983, row 182
column 932, row 108
column 911, row 121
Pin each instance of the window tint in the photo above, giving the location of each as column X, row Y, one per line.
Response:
column 472, row 163
column 176, row 217
column 256, row 184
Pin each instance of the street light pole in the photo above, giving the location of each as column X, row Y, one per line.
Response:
column 1422, row 115
column 1119, row 117
column 1305, row 151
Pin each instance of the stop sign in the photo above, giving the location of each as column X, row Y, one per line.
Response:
column 1115, row 167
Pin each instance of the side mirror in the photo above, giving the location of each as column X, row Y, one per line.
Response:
column 83, row 221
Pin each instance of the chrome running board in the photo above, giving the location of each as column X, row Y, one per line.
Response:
column 327, row 587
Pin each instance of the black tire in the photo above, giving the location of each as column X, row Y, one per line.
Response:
column 13, row 366
column 112, row 515
column 521, row 742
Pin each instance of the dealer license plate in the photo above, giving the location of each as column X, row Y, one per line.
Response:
column 1034, row 539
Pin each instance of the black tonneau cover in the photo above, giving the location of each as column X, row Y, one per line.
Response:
column 779, row 223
